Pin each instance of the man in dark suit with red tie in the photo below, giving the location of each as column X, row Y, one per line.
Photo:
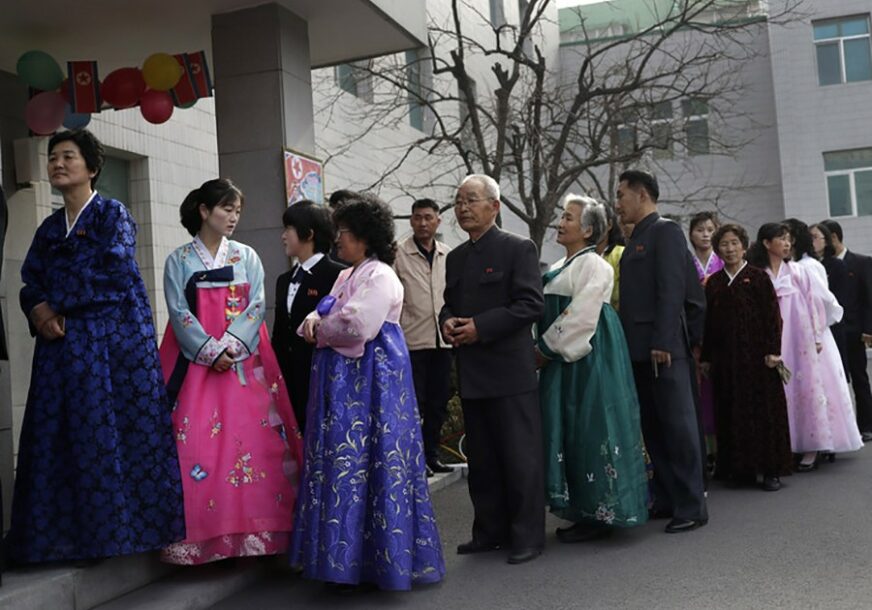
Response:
column 857, row 325
column 493, row 296
column 308, row 237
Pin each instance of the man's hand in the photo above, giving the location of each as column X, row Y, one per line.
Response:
column 448, row 330
column 867, row 339
column 705, row 368
column 464, row 332
column 541, row 360
column 661, row 357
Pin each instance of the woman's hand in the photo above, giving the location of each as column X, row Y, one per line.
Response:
column 47, row 322
column 705, row 368
column 310, row 329
column 224, row 362
column 541, row 360
column 819, row 347
column 772, row 360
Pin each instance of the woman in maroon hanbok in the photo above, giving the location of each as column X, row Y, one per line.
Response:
column 740, row 351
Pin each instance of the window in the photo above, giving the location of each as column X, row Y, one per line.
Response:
column 355, row 79
column 661, row 130
column 843, row 50
column 415, row 89
column 849, row 182
column 696, row 126
column 624, row 139
column 497, row 14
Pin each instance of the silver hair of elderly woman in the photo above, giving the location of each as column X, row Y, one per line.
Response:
column 593, row 215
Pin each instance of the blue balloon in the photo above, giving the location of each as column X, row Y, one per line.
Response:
column 75, row 120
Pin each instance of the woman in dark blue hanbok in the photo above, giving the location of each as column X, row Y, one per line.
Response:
column 363, row 513
column 98, row 474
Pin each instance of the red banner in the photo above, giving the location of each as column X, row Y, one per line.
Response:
column 84, row 86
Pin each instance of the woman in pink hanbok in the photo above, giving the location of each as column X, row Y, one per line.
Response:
column 239, row 447
column 840, row 408
column 801, row 342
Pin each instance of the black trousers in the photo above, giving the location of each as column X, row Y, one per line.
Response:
column 506, row 470
column 856, row 357
column 671, row 432
column 431, row 372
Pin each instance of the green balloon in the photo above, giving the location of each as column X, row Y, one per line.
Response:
column 39, row 70
column 188, row 105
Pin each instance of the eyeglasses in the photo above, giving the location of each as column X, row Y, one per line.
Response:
column 461, row 202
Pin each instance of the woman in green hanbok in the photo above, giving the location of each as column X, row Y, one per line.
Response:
column 595, row 470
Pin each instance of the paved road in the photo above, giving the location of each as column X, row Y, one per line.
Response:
column 806, row 546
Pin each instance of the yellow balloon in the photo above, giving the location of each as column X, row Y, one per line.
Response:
column 161, row 72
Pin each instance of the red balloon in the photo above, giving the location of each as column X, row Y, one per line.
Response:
column 156, row 106
column 44, row 113
column 123, row 87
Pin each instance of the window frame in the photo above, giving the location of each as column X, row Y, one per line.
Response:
column 852, row 185
column 840, row 40
column 690, row 119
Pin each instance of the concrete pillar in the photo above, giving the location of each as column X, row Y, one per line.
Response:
column 263, row 102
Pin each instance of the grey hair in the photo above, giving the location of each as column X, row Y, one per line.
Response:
column 593, row 214
column 491, row 188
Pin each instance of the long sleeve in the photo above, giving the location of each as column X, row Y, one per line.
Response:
column 196, row 345
column 710, row 336
column 350, row 325
column 243, row 334
column 807, row 291
column 568, row 338
column 826, row 300
column 33, row 276
column 104, row 279
column 671, row 285
column 526, row 302
column 865, row 288
column 770, row 312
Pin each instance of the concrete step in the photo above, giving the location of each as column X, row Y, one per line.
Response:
column 64, row 587
column 195, row 587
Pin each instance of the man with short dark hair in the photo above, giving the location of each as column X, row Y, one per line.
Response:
column 662, row 306
column 420, row 265
column 857, row 324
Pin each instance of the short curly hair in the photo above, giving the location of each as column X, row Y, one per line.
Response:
column 370, row 220
column 90, row 147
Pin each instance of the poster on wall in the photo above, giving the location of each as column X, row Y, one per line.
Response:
column 304, row 178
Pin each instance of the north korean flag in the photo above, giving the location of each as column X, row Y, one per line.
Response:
column 195, row 82
column 84, row 86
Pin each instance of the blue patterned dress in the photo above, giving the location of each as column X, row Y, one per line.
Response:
column 98, row 474
column 363, row 512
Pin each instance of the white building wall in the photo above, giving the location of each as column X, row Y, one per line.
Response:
column 813, row 119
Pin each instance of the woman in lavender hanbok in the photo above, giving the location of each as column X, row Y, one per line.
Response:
column 364, row 518
column 702, row 227
column 801, row 342
column 239, row 447
column 840, row 408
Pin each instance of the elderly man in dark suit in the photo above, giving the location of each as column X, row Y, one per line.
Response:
column 493, row 296
column 662, row 305
column 308, row 236
column 857, row 325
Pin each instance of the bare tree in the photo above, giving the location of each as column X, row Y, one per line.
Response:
column 541, row 128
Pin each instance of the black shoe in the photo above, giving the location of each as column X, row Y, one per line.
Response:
column 582, row 532
column 523, row 555
column 350, row 589
column 430, row 473
column 679, row 526
column 771, row 484
column 438, row 467
column 867, row 436
column 474, row 546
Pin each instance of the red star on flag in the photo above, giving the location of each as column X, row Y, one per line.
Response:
column 83, row 78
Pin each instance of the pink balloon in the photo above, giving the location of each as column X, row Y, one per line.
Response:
column 156, row 106
column 44, row 113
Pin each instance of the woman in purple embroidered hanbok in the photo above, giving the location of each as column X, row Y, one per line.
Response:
column 364, row 515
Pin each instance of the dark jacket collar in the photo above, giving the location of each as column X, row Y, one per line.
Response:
column 646, row 222
column 487, row 237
